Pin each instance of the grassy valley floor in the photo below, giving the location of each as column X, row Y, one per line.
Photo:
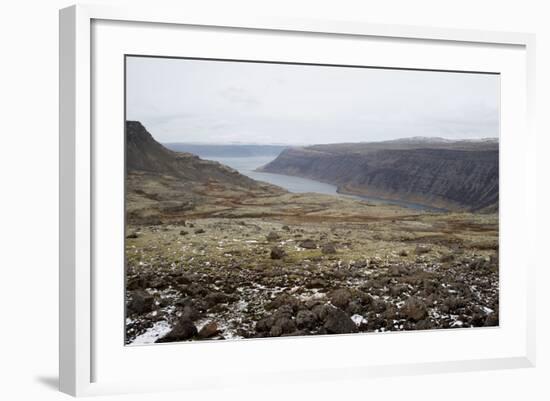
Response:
column 239, row 266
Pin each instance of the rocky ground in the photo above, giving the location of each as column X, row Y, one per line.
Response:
column 305, row 265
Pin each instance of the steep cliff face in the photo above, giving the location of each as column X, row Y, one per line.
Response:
column 453, row 175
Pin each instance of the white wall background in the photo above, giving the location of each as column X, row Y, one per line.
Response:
column 29, row 185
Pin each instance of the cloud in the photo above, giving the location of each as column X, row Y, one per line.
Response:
column 239, row 96
column 214, row 101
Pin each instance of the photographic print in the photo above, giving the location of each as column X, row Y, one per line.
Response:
column 268, row 199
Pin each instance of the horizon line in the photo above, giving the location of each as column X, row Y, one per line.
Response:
column 486, row 138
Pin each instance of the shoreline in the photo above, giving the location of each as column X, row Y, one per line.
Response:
column 362, row 196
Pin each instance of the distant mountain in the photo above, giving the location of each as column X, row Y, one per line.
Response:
column 456, row 175
column 229, row 150
column 417, row 142
column 438, row 141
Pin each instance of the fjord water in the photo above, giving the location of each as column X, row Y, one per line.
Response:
column 248, row 165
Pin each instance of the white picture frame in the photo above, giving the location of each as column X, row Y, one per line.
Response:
column 81, row 347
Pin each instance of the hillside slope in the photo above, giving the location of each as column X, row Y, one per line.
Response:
column 144, row 153
column 456, row 175
column 164, row 185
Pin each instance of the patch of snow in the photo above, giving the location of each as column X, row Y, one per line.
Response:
column 487, row 310
column 294, row 290
column 314, row 294
column 228, row 333
column 358, row 319
column 152, row 334
column 241, row 305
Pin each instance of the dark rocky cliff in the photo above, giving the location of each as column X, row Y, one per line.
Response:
column 453, row 175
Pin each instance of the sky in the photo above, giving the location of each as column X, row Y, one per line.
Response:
column 201, row 101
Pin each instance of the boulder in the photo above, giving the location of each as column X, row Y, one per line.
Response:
column 183, row 330
column 141, row 302
column 398, row 270
column 479, row 263
column 354, row 308
column 134, row 283
column 492, row 320
column 430, row 286
column 422, row 249
column 477, row 320
column 424, row 324
column 284, row 303
column 328, row 248
column 273, row 236
column 390, row 313
column 195, row 289
column 316, row 283
column 283, row 325
column 306, row 319
column 338, row 322
column 276, row 331
column 159, row 283
column 398, row 289
column 340, row 298
column 215, row 298
column 182, row 279
column 277, row 253
column 452, row 304
column 196, row 303
column 321, row 311
column 190, row 313
column 209, row 330
column 264, row 325
column 308, row 244
column 414, row 309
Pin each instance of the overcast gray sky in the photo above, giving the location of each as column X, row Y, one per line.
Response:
column 225, row 102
